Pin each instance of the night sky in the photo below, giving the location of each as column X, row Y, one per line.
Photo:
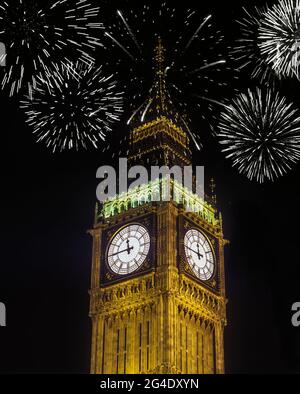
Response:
column 47, row 206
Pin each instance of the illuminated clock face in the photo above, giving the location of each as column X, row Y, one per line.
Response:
column 199, row 254
column 128, row 249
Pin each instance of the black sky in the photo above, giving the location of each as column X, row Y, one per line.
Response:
column 47, row 205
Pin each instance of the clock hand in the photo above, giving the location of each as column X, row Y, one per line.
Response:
column 191, row 249
column 122, row 251
column 197, row 252
column 128, row 248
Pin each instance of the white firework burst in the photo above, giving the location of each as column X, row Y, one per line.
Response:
column 73, row 106
column 36, row 34
column 246, row 52
column 279, row 37
column 260, row 133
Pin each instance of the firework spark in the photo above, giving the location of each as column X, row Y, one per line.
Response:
column 196, row 69
column 246, row 52
column 260, row 133
column 279, row 37
column 34, row 35
column 73, row 106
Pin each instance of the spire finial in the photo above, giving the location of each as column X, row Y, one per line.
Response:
column 159, row 56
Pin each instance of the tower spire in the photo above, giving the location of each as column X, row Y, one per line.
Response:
column 158, row 103
column 160, row 80
column 159, row 133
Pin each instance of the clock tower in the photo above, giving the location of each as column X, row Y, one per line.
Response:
column 157, row 298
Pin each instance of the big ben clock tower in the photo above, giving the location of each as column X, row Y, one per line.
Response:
column 157, row 289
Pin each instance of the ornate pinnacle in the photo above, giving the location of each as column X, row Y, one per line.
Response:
column 213, row 190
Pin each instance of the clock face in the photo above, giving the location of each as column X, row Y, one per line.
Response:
column 128, row 249
column 199, row 254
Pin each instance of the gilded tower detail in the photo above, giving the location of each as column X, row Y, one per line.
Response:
column 157, row 298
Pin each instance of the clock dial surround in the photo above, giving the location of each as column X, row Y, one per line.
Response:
column 199, row 254
column 128, row 249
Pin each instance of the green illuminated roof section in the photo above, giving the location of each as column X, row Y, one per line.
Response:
column 157, row 190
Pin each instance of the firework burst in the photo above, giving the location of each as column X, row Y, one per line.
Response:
column 35, row 35
column 73, row 106
column 279, row 37
column 196, row 55
column 246, row 52
column 260, row 133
